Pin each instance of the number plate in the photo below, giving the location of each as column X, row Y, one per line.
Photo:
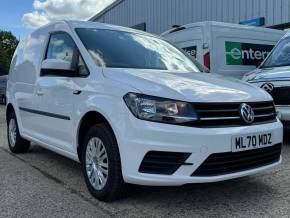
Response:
column 249, row 142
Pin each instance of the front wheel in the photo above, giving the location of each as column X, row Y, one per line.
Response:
column 16, row 143
column 101, row 164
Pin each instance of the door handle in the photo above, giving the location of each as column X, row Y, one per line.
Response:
column 77, row 92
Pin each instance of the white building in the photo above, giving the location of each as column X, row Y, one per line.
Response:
column 157, row 16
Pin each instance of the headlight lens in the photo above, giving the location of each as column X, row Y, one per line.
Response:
column 160, row 109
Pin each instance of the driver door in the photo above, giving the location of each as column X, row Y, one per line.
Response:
column 55, row 91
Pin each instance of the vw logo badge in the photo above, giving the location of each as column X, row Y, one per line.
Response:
column 247, row 113
column 268, row 87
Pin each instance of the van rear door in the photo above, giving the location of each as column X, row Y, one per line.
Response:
column 236, row 51
column 190, row 40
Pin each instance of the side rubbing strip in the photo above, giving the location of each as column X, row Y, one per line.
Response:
column 45, row 113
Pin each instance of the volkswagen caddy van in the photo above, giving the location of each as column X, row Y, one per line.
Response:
column 134, row 109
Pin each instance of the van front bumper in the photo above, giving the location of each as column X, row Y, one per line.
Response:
column 136, row 138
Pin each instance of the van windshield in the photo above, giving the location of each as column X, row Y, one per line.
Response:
column 116, row 49
column 280, row 56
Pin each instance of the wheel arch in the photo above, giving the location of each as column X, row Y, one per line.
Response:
column 89, row 119
column 9, row 109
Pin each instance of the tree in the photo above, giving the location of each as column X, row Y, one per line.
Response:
column 8, row 44
column 4, row 61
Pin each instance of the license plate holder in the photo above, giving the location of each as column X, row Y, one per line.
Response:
column 251, row 141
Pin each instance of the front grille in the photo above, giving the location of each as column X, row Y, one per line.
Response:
column 226, row 163
column 165, row 163
column 281, row 95
column 228, row 114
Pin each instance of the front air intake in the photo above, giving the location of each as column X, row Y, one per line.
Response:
column 227, row 163
column 164, row 163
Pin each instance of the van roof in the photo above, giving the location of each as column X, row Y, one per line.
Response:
column 219, row 24
column 287, row 34
column 89, row 24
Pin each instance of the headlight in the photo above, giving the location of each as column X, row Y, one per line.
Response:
column 161, row 110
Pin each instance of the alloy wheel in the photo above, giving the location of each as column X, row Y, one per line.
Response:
column 97, row 163
column 12, row 128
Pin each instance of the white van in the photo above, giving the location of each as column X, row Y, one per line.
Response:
column 224, row 48
column 133, row 109
column 273, row 75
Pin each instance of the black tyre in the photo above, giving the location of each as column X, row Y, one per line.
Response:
column 101, row 164
column 16, row 143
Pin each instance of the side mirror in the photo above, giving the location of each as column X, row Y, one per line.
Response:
column 57, row 67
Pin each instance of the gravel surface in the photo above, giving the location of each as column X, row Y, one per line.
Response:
column 44, row 184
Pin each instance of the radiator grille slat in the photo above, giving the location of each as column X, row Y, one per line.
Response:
column 227, row 114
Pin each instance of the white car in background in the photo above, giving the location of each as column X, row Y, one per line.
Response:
column 133, row 109
column 3, row 84
column 273, row 75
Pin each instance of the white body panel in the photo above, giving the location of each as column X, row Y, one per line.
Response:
column 103, row 91
column 57, row 98
column 212, row 37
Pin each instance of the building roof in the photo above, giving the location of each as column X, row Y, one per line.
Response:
column 108, row 8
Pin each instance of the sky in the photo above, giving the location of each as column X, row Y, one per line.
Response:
column 22, row 16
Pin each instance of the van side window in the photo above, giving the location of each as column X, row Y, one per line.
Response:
column 61, row 46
